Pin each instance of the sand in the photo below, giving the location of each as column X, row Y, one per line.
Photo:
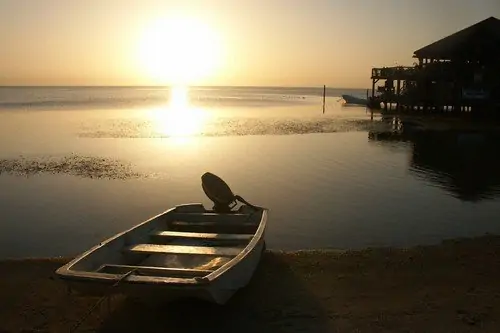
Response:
column 451, row 287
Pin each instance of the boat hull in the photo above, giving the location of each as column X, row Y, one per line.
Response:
column 354, row 100
column 167, row 276
column 218, row 291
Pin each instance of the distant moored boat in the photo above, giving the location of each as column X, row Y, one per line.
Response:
column 349, row 99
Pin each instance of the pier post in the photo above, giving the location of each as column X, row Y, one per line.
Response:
column 398, row 93
column 324, row 97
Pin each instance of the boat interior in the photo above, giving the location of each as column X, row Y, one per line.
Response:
column 187, row 242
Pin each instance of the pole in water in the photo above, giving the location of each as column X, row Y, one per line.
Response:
column 324, row 95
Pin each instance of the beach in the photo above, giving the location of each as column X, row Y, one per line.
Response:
column 450, row 287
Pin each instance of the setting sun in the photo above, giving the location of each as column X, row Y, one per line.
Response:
column 179, row 51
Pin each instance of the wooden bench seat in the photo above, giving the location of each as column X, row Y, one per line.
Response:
column 153, row 271
column 202, row 236
column 181, row 249
column 213, row 227
column 211, row 217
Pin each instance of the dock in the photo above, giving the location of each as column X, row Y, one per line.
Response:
column 457, row 74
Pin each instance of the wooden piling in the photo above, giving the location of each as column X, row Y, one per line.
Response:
column 324, row 98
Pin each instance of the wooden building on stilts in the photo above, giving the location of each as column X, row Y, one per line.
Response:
column 459, row 73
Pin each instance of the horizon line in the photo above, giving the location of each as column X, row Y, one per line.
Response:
column 169, row 86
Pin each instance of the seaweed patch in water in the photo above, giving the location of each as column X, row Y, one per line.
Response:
column 232, row 127
column 76, row 165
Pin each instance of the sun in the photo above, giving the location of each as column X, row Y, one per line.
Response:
column 179, row 51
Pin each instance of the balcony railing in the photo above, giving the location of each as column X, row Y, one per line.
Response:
column 393, row 72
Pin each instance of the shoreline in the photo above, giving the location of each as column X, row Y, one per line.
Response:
column 452, row 286
column 461, row 241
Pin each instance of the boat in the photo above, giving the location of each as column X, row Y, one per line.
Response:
column 188, row 251
column 349, row 99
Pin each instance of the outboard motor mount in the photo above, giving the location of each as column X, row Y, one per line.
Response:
column 221, row 195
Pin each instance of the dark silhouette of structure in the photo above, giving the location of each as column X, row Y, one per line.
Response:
column 459, row 73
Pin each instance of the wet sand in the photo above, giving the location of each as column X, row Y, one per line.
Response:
column 452, row 287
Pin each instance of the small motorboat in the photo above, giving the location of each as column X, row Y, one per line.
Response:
column 349, row 99
column 185, row 252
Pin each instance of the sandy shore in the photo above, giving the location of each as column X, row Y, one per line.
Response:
column 452, row 287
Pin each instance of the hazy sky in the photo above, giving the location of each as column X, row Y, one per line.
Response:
column 259, row 42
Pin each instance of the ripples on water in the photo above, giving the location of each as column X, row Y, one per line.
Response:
column 67, row 98
column 228, row 110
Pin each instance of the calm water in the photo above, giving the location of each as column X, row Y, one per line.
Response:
column 80, row 164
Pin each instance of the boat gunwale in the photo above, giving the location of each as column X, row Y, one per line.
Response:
column 109, row 278
column 245, row 251
column 65, row 272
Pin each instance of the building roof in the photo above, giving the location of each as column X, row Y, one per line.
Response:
column 479, row 40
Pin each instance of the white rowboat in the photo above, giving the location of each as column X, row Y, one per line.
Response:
column 185, row 252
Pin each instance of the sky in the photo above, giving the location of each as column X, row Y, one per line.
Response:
column 220, row 42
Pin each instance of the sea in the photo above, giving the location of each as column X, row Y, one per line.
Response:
column 80, row 164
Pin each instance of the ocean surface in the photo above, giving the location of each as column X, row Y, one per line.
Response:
column 79, row 164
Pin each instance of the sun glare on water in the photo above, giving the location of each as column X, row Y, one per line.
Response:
column 179, row 51
column 179, row 118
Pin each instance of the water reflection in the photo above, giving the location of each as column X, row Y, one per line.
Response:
column 464, row 163
column 179, row 118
